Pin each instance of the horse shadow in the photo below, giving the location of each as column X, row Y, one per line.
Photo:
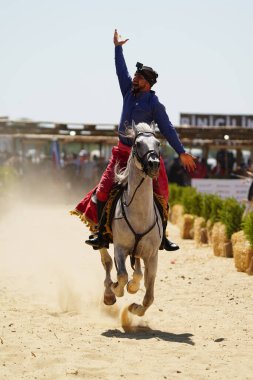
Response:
column 145, row 332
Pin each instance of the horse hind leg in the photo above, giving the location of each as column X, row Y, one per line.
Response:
column 109, row 296
column 149, row 282
column 134, row 285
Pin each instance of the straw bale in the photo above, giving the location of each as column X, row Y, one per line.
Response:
column 243, row 253
column 209, row 228
column 221, row 244
column 176, row 213
column 203, row 236
column 227, row 249
column 200, row 231
column 249, row 270
column 186, row 223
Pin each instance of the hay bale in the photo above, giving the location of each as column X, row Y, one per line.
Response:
column 227, row 249
column 249, row 270
column 243, row 253
column 203, row 236
column 176, row 213
column 200, row 231
column 186, row 223
column 221, row 244
column 209, row 229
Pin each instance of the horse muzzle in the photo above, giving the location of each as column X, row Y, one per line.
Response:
column 152, row 167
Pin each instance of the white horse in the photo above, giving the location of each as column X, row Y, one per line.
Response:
column 137, row 225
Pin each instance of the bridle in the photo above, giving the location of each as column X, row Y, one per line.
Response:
column 143, row 160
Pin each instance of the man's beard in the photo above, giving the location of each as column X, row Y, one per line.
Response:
column 135, row 89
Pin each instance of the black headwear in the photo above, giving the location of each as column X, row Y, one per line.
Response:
column 147, row 72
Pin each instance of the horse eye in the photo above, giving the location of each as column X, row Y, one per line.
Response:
column 158, row 143
column 138, row 144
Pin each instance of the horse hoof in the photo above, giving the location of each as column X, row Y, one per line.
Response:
column 136, row 309
column 117, row 290
column 132, row 287
column 109, row 300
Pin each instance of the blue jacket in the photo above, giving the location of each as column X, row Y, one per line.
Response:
column 145, row 107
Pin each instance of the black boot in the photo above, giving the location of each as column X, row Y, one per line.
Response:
column 168, row 245
column 99, row 241
column 165, row 244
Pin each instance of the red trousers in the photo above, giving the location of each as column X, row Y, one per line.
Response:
column 120, row 154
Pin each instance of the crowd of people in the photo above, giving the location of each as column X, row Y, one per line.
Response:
column 224, row 166
column 85, row 170
column 38, row 174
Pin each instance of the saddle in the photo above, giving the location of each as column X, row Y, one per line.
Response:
column 86, row 210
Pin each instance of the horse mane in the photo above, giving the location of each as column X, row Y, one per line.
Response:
column 121, row 175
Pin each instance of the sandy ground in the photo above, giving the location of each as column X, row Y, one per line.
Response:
column 54, row 324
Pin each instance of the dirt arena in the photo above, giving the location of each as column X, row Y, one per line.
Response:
column 55, row 326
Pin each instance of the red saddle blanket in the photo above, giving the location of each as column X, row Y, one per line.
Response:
column 86, row 209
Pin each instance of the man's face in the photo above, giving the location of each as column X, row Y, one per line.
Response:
column 140, row 83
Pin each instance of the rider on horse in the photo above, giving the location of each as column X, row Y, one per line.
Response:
column 140, row 104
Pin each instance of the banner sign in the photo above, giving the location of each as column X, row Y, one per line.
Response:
column 209, row 120
column 225, row 188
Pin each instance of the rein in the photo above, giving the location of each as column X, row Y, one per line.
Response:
column 137, row 237
column 134, row 193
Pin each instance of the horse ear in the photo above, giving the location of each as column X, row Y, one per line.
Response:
column 152, row 126
column 134, row 128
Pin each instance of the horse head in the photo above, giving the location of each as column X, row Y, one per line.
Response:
column 146, row 149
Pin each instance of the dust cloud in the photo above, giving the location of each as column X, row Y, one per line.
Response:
column 43, row 254
column 42, row 251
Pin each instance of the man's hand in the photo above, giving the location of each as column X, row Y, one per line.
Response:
column 116, row 39
column 188, row 161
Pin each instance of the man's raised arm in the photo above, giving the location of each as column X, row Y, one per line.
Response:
column 125, row 80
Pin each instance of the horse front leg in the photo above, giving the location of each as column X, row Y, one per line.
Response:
column 149, row 282
column 134, row 285
column 122, row 276
column 109, row 296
